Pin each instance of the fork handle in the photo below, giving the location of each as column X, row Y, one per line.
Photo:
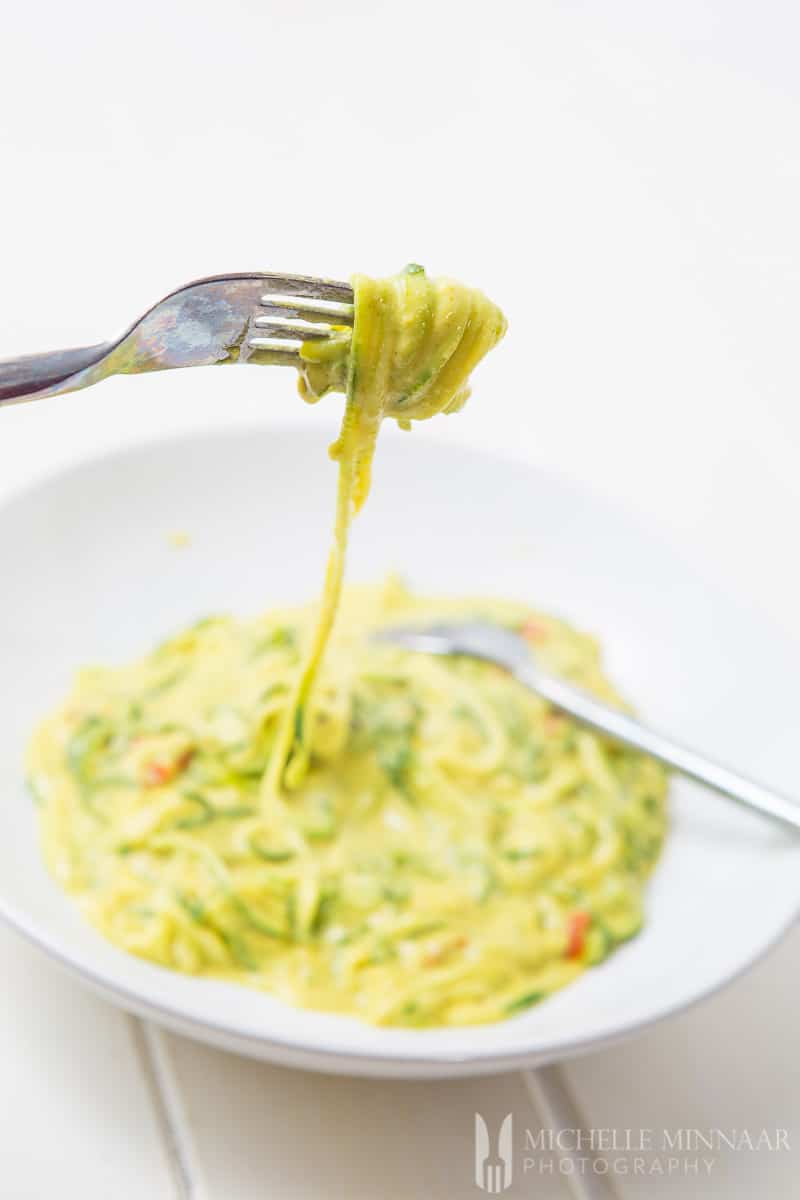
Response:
column 625, row 729
column 24, row 378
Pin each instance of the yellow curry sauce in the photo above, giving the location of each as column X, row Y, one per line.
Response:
column 284, row 803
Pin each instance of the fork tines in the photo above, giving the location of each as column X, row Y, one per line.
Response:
column 299, row 308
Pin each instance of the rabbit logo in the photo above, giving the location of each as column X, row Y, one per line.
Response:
column 493, row 1171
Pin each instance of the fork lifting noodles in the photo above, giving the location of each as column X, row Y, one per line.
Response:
column 258, row 317
column 310, row 313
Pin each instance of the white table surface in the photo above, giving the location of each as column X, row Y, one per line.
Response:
column 625, row 180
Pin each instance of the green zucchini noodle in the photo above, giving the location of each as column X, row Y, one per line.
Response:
column 285, row 803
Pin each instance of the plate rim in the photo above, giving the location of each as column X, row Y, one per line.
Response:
column 422, row 1065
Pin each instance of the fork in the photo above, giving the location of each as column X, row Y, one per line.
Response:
column 499, row 645
column 256, row 317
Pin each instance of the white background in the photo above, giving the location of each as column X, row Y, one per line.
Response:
column 623, row 177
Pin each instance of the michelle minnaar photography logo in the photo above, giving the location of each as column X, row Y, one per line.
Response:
column 680, row 1152
column 494, row 1168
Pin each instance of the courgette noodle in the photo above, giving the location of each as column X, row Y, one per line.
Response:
column 285, row 803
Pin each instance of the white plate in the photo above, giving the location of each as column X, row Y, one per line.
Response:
column 88, row 574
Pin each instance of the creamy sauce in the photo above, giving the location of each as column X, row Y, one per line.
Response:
column 284, row 803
